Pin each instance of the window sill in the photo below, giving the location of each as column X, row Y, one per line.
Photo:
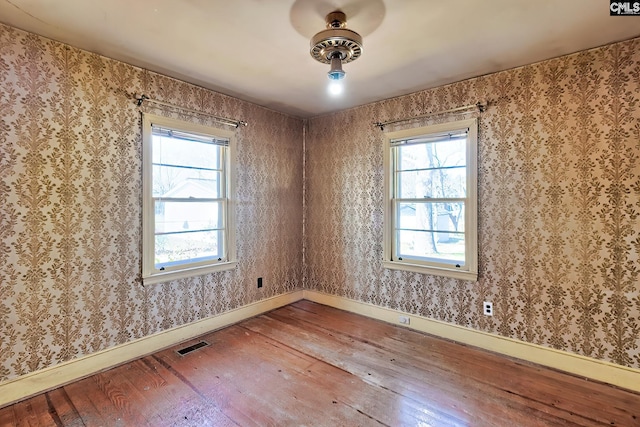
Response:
column 188, row 272
column 417, row 268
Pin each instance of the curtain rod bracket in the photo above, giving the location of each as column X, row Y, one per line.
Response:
column 140, row 99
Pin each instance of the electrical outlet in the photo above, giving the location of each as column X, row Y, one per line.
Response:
column 405, row 320
column 487, row 308
column 259, row 282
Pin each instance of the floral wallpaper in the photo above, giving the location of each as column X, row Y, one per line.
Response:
column 70, row 205
column 559, row 205
column 559, row 199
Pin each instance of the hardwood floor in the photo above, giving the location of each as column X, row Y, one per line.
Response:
column 308, row 364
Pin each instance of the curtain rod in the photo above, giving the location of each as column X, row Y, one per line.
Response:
column 480, row 106
column 237, row 123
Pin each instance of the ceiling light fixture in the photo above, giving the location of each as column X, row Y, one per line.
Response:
column 336, row 45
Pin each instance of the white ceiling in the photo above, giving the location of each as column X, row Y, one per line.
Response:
column 258, row 50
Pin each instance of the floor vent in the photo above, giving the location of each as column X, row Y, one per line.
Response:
column 191, row 348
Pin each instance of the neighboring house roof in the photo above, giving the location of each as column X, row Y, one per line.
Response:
column 193, row 188
column 408, row 209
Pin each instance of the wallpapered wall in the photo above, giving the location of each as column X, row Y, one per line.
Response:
column 559, row 197
column 70, row 206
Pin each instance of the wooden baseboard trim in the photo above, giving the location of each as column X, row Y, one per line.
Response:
column 37, row 382
column 610, row 373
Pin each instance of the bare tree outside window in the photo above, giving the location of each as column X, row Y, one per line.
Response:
column 433, row 174
column 430, row 215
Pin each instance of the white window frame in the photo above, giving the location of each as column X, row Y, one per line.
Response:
column 468, row 271
column 150, row 274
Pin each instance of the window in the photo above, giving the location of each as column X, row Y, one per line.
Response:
column 431, row 203
column 187, row 215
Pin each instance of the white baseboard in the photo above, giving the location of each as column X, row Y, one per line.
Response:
column 582, row 366
column 49, row 378
column 55, row 376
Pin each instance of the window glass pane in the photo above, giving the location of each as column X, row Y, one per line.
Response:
column 434, row 154
column 437, row 183
column 432, row 246
column 187, row 216
column 181, row 182
column 447, row 218
column 182, row 152
column 174, row 249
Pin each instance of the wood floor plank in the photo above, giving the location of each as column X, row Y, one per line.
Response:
column 7, row 417
column 274, row 388
column 158, row 390
column 87, row 403
column 62, row 408
column 514, row 376
column 117, row 408
column 387, row 371
column 380, row 404
column 308, row 364
column 219, row 379
column 33, row 412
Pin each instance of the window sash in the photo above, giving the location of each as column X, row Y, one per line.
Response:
column 187, row 136
column 222, row 243
column 446, row 265
column 221, row 250
column 194, row 261
column 432, row 138
column 221, row 254
column 221, row 217
column 190, row 199
column 198, row 168
column 443, row 261
column 399, row 171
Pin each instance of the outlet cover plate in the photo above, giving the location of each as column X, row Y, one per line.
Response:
column 487, row 308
